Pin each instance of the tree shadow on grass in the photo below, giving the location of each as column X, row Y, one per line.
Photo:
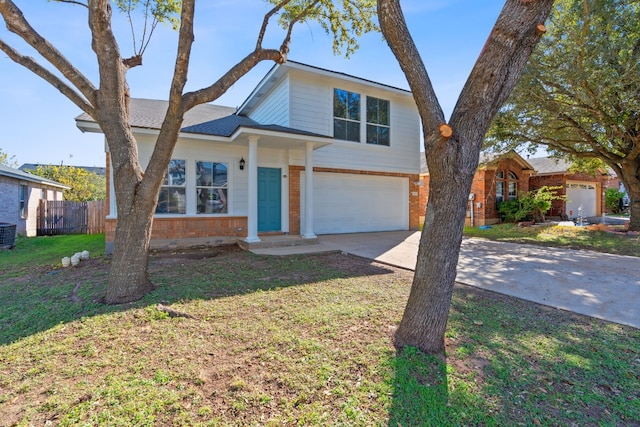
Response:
column 511, row 361
column 420, row 390
column 48, row 296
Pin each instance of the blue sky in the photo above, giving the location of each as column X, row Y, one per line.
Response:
column 38, row 122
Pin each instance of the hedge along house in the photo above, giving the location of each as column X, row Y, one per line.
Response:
column 309, row 152
column 498, row 178
column 20, row 195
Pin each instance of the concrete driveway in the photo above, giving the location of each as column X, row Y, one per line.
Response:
column 585, row 282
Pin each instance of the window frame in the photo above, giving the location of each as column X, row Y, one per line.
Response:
column 207, row 189
column 180, row 187
column 351, row 120
column 381, row 124
column 506, row 186
column 23, row 201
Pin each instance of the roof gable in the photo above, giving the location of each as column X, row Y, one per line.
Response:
column 278, row 71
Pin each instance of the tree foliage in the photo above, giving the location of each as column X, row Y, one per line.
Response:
column 85, row 186
column 580, row 93
column 7, row 160
column 612, row 200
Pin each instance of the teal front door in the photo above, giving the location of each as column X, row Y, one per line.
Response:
column 269, row 200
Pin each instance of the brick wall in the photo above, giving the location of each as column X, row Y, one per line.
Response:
column 484, row 188
column 189, row 231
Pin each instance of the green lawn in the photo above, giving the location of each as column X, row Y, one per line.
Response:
column 302, row 340
column 566, row 237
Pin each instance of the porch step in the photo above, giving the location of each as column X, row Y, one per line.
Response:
column 279, row 241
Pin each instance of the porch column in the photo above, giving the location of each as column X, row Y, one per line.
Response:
column 308, row 191
column 252, row 214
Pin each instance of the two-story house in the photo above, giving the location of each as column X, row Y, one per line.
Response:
column 310, row 151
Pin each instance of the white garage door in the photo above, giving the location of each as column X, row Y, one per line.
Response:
column 346, row 203
column 581, row 195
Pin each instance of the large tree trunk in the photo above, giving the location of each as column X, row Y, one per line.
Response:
column 128, row 279
column 425, row 318
column 630, row 176
column 453, row 158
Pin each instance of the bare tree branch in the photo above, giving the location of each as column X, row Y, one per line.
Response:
column 72, row 2
column 284, row 48
column 265, row 21
column 56, row 82
column 191, row 99
column 17, row 24
column 392, row 23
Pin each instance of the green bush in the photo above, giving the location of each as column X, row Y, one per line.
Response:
column 511, row 211
column 532, row 205
column 612, row 197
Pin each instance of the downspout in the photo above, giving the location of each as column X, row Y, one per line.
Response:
column 472, row 197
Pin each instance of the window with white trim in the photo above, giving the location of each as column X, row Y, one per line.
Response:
column 173, row 193
column 377, row 121
column 346, row 115
column 212, row 185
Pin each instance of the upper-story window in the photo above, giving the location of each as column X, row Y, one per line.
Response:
column 212, row 185
column 377, row 121
column 173, row 198
column 346, row 115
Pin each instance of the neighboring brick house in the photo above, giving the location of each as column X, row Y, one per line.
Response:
column 20, row 195
column 311, row 151
column 585, row 193
column 498, row 178
column 505, row 176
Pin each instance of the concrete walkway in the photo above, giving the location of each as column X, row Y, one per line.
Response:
column 585, row 282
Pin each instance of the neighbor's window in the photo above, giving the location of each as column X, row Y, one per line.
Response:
column 24, row 197
column 499, row 187
column 377, row 121
column 172, row 198
column 512, row 185
column 346, row 115
column 508, row 182
column 211, row 187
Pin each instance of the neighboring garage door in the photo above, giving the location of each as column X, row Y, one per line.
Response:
column 581, row 194
column 346, row 203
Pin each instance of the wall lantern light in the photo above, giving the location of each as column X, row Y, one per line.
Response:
column 242, row 163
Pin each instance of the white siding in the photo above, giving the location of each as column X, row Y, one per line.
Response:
column 192, row 150
column 274, row 109
column 312, row 110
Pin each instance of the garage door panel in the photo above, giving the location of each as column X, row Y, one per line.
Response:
column 581, row 195
column 347, row 203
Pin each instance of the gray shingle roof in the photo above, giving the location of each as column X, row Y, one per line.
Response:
column 544, row 165
column 204, row 119
column 18, row 174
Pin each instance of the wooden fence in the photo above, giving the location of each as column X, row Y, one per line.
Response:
column 65, row 217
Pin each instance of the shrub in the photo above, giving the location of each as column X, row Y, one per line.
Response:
column 531, row 205
column 612, row 198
